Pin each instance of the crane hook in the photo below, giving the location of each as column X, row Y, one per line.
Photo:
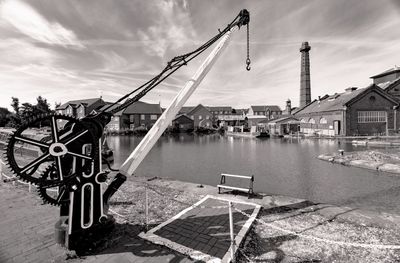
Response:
column 248, row 64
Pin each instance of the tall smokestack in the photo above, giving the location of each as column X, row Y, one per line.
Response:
column 305, row 85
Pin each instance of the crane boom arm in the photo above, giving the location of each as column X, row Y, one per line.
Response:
column 140, row 152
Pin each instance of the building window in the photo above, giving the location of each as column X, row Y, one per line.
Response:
column 132, row 126
column 323, row 121
column 153, row 117
column 200, row 117
column 207, row 117
column 131, row 118
column 312, row 121
column 192, row 117
column 142, row 117
column 303, row 120
column 371, row 116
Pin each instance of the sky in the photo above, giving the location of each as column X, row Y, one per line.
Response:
column 67, row 50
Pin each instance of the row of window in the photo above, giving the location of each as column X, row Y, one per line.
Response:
column 362, row 117
column 220, row 112
column 322, row 120
column 200, row 117
column 142, row 117
column 264, row 113
column 371, row 116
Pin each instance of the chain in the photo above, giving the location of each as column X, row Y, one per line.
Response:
column 248, row 49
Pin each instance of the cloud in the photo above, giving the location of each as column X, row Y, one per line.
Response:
column 29, row 22
column 172, row 29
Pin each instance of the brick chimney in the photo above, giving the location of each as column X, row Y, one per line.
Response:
column 305, row 84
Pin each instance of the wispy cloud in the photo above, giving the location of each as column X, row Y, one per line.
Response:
column 29, row 22
column 171, row 29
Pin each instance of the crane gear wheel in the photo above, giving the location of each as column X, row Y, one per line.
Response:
column 50, row 196
column 62, row 149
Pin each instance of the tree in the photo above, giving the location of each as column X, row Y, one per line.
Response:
column 4, row 116
column 42, row 106
column 27, row 110
column 15, row 105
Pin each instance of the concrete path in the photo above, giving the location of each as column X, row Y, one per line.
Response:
column 27, row 235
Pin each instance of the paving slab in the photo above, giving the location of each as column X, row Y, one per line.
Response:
column 202, row 230
column 27, row 235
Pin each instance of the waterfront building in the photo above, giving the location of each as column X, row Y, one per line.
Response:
column 198, row 114
column 183, row 123
column 283, row 126
column 80, row 108
column 366, row 111
column 219, row 113
column 269, row 111
column 140, row 114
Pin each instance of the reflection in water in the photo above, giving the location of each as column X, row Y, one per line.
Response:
column 281, row 166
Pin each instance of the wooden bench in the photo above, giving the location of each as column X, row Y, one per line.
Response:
column 223, row 184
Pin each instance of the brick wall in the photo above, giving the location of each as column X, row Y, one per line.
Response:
column 367, row 103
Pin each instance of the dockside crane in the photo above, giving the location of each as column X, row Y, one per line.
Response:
column 70, row 158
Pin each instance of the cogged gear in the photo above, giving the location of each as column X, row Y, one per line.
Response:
column 48, row 193
column 51, row 140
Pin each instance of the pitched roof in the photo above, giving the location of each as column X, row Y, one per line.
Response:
column 387, row 72
column 287, row 119
column 242, row 111
column 338, row 101
column 141, row 107
column 75, row 103
column 111, row 108
column 196, row 109
column 182, row 116
column 219, row 108
column 388, row 85
column 186, row 109
column 266, row 107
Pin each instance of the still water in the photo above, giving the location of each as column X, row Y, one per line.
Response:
column 280, row 166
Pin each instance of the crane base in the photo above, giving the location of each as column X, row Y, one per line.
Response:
column 84, row 240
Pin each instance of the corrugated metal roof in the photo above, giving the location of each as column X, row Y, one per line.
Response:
column 389, row 84
column 387, row 72
column 334, row 102
column 338, row 101
column 141, row 107
column 284, row 119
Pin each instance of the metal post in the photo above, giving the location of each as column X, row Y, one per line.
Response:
column 147, row 208
column 30, row 187
column 231, row 232
column 1, row 171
